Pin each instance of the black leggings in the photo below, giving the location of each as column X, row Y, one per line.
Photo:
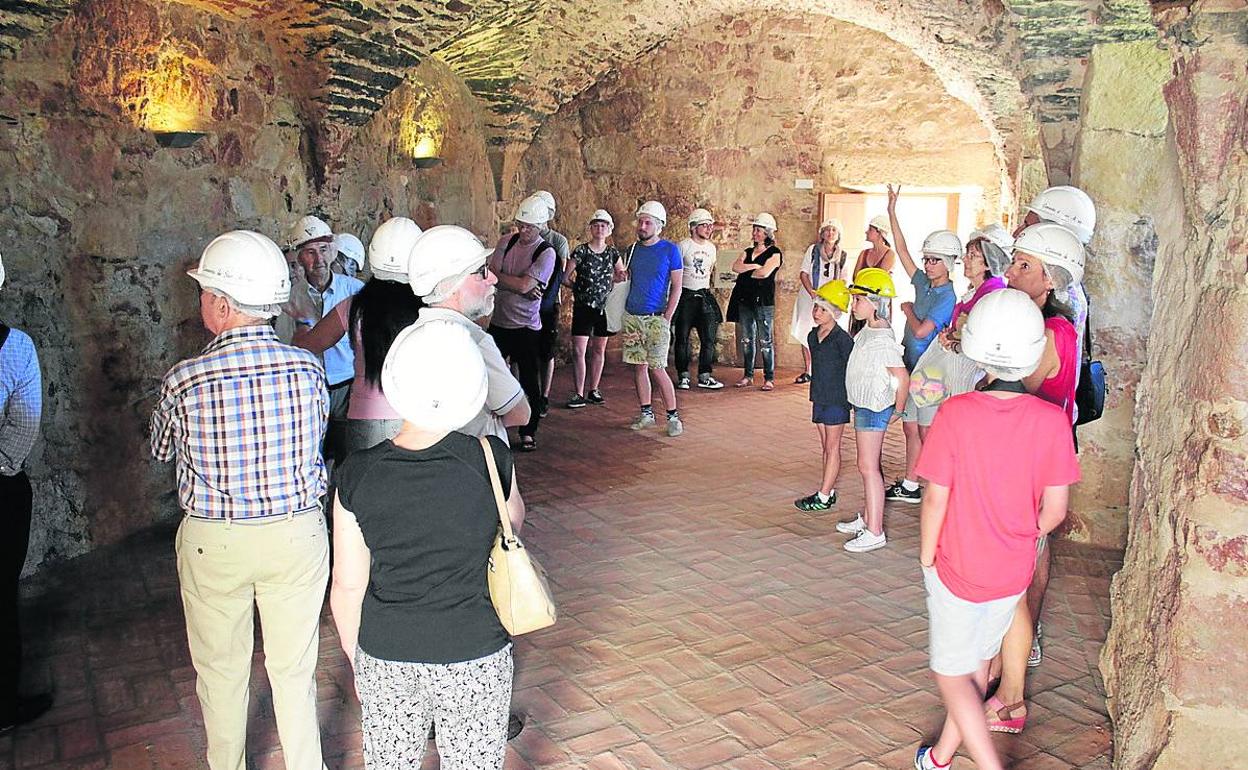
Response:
column 15, row 508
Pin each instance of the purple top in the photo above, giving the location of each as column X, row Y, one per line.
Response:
column 987, row 287
column 516, row 311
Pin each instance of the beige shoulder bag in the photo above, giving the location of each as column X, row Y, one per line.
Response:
column 518, row 586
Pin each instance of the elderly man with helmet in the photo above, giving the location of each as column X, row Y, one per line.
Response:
column 656, row 272
column 313, row 244
column 447, row 270
column 21, row 405
column 243, row 422
column 698, row 308
column 523, row 263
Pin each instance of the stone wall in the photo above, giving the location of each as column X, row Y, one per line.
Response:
column 729, row 115
column 1175, row 662
column 1126, row 160
column 98, row 223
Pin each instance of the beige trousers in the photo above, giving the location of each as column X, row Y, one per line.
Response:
column 226, row 570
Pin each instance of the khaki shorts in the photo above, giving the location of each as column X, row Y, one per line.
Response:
column 645, row 339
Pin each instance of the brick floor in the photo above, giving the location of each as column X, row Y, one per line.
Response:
column 704, row 621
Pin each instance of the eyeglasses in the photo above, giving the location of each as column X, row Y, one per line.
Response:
column 480, row 271
column 932, row 260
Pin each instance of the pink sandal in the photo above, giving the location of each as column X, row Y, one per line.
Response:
column 1003, row 721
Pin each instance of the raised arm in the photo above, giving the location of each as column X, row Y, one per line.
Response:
column 899, row 240
column 327, row 331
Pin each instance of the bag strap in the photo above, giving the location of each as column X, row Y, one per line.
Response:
column 628, row 260
column 4, row 334
column 499, row 500
column 1087, row 334
column 511, row 242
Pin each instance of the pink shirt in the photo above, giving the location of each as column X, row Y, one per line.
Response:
column 987, row 287
column 367, row 400
column 987, row 547
column 1060, row 388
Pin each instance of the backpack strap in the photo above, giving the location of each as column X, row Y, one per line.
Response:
column 512, row 242
column 1087, row 334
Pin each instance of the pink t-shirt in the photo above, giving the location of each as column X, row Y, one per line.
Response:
column 996, row 456
column 367, row 400
column 1060, row 388
column 987, row 287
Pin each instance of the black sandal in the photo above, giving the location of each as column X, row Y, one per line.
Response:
column 527, row 444
column 802, row 379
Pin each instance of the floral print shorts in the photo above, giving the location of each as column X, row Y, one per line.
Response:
column 645, row 339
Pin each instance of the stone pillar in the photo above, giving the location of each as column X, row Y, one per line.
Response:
column 1175, row 664
column 1126, row 162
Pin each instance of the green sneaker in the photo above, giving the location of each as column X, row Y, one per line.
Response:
column 813, row 503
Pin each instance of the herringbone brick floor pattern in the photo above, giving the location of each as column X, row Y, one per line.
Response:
column 705, row 622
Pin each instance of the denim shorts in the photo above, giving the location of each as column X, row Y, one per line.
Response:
column 865, row 419
column 829, row 414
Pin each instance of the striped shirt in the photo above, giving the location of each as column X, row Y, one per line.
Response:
column 244, row 420
column 21, row 401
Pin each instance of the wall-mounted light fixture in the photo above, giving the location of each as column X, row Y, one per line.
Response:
column 172, row 97
column 421, row 132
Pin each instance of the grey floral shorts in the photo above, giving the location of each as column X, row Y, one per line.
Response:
column 645, row 339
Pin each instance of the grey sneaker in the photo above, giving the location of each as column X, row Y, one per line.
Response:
column 709, row 382
column 675, row 427
column 642, row 422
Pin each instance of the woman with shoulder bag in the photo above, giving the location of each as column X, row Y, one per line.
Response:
column 404, row 573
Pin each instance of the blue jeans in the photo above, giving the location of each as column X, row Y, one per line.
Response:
column 754, row 326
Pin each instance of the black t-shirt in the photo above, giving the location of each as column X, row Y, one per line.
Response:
column 756, row 292
column 429, row 520
column 828, row 360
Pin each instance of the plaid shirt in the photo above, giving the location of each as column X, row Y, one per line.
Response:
column 244, row 420
column 21, row 401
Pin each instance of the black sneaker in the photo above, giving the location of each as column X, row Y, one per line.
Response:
column 26, row 710
column 577, row 402
column 813, row 503
column 543, row 408
column 683, row 382
column 595, row 397
column 902, row 495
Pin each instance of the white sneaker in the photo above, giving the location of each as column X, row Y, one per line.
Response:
column 851, row 527
column 642, row 422
column 675, row 427
column 866, row 541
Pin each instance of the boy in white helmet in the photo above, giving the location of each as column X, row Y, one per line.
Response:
column 243, row 422
column 350, row 259
column 21, row 405
column 979, row 528
column 656, row 269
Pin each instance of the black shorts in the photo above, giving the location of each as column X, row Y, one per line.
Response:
column 588, row 321
column 548, row 335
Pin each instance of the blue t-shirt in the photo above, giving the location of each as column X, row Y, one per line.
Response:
column 930, row 302
column 651, row 271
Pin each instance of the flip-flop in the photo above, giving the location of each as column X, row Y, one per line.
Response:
column 1001, row 722
column 768, row 385
column 744, row 382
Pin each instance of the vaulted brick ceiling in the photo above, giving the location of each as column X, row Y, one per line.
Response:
column 525, row 58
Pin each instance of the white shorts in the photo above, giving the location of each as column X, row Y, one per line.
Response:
column 961, row 634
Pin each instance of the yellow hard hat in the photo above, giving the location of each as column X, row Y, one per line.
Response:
column 835, row 293
column 875, row 281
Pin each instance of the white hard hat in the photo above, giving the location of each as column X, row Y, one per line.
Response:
column 546, row 198
column 439, row 253
column 308, row 229
column 654, row 210
column 833, row 222
column 434, row 376
column 996, row 235
column 943, row 243
column 1053, row 244
column 350, row 247
column 1005, row 330
column 1067, row 206
column 1, row 272
column 246, row 266
column 765, row 220
column 602, row 215
column 390, row 248
column 700, row 217
column 881, row 222
column 532, row 211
